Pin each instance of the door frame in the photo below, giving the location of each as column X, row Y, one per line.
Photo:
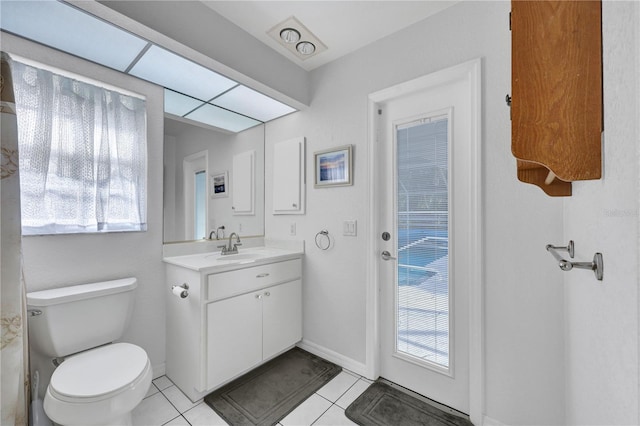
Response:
column 190, row 165
column 471, row 72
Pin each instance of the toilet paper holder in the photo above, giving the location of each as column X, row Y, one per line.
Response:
column 180, row 290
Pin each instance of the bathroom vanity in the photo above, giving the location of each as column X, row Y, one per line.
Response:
column 240, row 310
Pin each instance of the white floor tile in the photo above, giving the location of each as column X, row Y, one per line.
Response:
column 203, row 415
column 178, row 421
column 152, row 390
column 334, row 417
column 178, row 399
column 354, row 392
column 337, row 386
column 162, row 382
column 307, row 412
column 351, row 372
column 154, row 411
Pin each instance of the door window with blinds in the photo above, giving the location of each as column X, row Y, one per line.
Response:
column 422, row 221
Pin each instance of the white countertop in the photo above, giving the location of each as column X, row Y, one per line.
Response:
column 215, row 262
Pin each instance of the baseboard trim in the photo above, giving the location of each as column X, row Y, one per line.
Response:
column 159, row 370
column 488, row 421
column 339, row 359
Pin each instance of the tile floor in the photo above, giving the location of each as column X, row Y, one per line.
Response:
column 166, row 405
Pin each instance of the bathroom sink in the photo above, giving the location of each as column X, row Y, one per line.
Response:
column 232, row 257
column 239, row 256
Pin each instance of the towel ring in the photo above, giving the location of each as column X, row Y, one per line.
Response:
column 320, row 240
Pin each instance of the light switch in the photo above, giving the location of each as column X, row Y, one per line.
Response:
column 350, row 228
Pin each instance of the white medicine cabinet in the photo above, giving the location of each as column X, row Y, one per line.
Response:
column 242, row 183
column 289, row 183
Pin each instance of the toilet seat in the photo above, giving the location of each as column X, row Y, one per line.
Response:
column 99, row 373
column 99, row 387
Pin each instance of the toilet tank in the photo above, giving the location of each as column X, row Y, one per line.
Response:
column 79, row 317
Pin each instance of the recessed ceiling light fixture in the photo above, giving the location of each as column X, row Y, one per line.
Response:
column 306, row 48
column 296, row 38
column 290, row 35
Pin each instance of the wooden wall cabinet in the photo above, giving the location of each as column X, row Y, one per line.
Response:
column 556, row 98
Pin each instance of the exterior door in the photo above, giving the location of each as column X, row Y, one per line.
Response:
column 426, row 233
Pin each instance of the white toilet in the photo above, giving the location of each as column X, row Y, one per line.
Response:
column 99, row 382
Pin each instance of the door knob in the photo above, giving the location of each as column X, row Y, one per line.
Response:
column 386, row 255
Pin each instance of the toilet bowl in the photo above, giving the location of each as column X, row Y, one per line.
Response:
column 98, row 382
column 99, row 387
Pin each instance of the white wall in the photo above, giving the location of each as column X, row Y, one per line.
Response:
column 602, row 216
column 55, row 261
column 523, row 287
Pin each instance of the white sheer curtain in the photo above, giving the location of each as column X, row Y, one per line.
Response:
column 83, row 155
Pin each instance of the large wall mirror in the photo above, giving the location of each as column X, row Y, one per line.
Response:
column 212, row 179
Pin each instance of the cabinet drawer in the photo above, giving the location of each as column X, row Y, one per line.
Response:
column 232, row 283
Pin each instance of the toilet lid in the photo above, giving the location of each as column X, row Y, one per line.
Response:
column 100, row 371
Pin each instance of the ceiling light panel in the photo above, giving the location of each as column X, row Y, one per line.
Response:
column 178, row 104
column 182, row 75
column 254, row 104
column 66, row 28
column 221, row 118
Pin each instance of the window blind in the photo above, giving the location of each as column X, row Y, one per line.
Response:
column 423, row 239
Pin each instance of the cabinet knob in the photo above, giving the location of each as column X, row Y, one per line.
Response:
column 294, row 205
column 267, row 294
column 258, row 296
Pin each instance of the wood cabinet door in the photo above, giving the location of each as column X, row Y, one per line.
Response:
column 234, row 337
column 281, row 317
column 556, row 107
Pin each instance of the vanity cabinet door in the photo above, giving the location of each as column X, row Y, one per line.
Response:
column 281, row 317
column 234, row 337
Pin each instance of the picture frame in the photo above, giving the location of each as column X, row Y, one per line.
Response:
column 334, row 167
column 219, row 184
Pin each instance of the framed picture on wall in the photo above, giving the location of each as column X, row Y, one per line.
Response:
column 334, row 167
column 220, row 185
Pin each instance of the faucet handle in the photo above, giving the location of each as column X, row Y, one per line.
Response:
column 224, row 248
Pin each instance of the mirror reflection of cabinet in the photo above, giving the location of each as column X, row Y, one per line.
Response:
column 242, row 183
column 289, row 188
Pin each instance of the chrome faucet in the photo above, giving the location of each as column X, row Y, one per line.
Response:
column 227, row 249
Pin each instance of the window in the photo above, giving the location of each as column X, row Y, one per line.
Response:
column 423, row 239
column 83, row 155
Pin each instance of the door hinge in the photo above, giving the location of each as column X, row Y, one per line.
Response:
column 509, row 21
